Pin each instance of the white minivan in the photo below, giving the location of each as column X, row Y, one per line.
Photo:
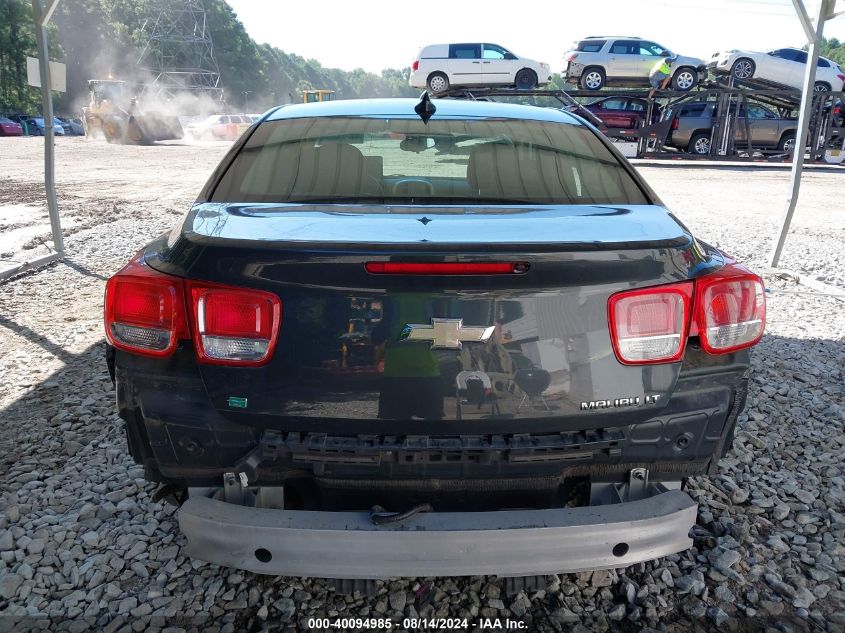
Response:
column 441, row 66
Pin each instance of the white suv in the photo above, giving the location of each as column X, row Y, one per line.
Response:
column 784, row 66
column 439, row 66
column 596, row 62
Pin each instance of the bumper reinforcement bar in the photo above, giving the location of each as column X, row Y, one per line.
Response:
column 505, row 543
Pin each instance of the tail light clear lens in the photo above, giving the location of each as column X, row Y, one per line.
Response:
column 730, row 310
column 650, row 325
column 144, row 311
column 235, row 326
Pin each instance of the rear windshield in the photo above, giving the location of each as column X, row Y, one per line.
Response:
column 404, row 161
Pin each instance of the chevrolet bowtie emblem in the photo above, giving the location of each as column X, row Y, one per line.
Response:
column 445, row 333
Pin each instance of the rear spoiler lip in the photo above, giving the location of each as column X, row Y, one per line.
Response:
column 434, row 248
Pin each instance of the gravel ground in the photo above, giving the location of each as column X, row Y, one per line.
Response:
column 82, row 545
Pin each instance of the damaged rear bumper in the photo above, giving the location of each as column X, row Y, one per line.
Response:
column 505, row 543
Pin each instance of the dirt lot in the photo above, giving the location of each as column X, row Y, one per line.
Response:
column 82, row 546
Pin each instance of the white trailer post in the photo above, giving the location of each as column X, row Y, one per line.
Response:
column 814, row 38
column 42, row 12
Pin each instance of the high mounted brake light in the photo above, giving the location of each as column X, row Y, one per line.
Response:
column 144, row 310
column 650, row 325
column 726, row 310
column 446, row 268
column 234, row 326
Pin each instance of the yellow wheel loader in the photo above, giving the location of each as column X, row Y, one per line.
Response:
column 114, row 112
column 317, row 96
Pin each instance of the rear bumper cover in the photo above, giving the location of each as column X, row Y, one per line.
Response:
column 505, row 543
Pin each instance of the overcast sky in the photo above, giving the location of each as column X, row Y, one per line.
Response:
column 380, row 34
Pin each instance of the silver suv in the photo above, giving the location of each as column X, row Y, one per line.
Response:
column 596, row 62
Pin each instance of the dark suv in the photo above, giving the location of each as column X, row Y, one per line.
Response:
column 692, row 128
column 624, row 112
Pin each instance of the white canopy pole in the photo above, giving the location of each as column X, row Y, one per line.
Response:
column 814, row 37
column 42, row 16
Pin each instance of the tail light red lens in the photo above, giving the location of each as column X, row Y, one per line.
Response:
column 676, row 123
column 416, row 65
column 730, row 310
column 234, row 326
column 650, row 325
column 571, row 57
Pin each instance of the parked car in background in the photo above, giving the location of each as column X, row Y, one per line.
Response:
column 784, row 66
column 441, row 66
column 383, row 346
column 10, row 128
column 71, row 126
column 838, row 115
column 66, row 127
column 692, row 128
column 624, row 112
column 223, row 127
column 596, row 62
column 36, row 127
column 23, row 121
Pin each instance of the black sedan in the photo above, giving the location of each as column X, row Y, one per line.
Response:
column 400, row 338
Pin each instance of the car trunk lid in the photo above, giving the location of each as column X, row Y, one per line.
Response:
column 345, row 362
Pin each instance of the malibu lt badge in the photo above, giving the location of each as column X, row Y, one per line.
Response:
column 632, row 401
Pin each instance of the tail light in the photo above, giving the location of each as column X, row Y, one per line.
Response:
column 234, row 326
column 841, row 77
column 571, row 57
column 650, row 325
column 416, row 65
column 727, row 310
column 144, row 311
column 676, row 123
column 730, row 310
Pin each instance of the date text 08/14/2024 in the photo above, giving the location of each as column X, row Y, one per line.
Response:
column 417, row 624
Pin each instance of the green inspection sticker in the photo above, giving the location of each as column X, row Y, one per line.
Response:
column 237, row 403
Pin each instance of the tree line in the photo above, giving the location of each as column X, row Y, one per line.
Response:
column 98, row 39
